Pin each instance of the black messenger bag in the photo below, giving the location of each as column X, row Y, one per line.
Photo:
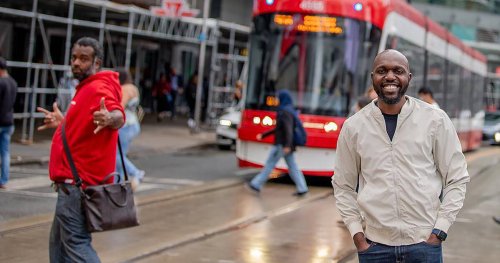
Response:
column 106, row 206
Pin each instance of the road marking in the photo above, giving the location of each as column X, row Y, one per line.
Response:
column 245, row 172
column 148, row 186
column 22, row 170
column 29, row 193
column 172, row 181
column 463, row 220
column 29, row 182
column 22, row 185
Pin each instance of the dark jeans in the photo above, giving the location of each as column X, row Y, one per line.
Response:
column 418, row 253
column 69, row 239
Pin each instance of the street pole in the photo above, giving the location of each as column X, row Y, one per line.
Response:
column 201, row 68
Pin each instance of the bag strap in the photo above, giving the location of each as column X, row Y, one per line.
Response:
column 78, row 180
column 121, row 158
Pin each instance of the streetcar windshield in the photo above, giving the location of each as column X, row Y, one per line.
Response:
column 324, row 61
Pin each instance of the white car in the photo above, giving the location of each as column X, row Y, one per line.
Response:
column 491, row 129
column 227, row 128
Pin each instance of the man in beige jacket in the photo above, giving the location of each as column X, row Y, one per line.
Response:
column 406, row 159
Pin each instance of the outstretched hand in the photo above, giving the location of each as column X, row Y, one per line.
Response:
column 52, row 119
column 102, row 117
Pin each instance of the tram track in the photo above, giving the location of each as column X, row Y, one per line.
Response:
column 25, row 224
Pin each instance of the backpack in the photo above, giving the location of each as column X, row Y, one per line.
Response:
column 299, row 133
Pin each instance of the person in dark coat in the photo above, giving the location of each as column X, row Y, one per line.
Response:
column 8, row 90
column 283, row 147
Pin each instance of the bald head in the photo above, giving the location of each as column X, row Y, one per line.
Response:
column 391, row 54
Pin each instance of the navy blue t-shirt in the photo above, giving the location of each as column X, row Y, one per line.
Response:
column 391, row 120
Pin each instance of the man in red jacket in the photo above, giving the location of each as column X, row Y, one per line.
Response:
column 91, row 125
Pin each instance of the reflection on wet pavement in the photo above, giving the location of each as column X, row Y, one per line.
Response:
column 309, row 234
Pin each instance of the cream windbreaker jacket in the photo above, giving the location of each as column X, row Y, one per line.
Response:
column 400, row 182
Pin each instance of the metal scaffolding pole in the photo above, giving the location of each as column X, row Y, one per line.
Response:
column 31, row 51
column 129, row 40
column 69, row 30
column 201, row 67
column 213, row 69
column 102, row 24
column 33, row 105
column 230, row 64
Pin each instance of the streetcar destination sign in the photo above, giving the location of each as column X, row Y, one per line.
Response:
column 310, row 23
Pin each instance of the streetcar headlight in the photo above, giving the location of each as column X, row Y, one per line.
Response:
column 331, row 126
column 358, row 7
column 223, row 122
column 256, row 120
column 497, row 136
column 267, row 121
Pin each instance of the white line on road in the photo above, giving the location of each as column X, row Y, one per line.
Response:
column 29, row 182
column 29, row 193
column 22, row 170
column 245, row 172
column 172, row 181
column 148, row 186
column 463, row 220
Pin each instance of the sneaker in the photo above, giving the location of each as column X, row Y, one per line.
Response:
column 300, row 194
column 252, row 189
column 135, row 184
column 140, row 175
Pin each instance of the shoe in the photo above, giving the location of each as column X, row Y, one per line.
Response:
column 496, row 219
column 3, row 186
column 140, row 175
column 300, row 194
column 252, row 189
column 135, row 184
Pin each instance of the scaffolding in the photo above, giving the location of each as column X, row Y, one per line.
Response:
column 133, row 38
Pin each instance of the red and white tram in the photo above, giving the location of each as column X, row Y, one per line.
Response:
column 322, row 51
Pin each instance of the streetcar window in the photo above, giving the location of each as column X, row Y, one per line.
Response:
column 322, row 68
column 452, row 90
column 436, row 77
column 415, row 55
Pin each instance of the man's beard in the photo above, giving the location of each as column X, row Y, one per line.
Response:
column 80, row 76
column 392, row 101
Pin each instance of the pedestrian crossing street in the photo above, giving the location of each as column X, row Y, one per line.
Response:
column 35, row 182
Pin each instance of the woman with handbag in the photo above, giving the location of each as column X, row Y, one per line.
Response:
column 131, row 129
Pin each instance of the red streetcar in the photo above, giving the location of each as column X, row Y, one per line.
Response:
column 322, row 51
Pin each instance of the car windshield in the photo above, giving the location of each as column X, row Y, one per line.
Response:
column 322, row 60
column 491, row 118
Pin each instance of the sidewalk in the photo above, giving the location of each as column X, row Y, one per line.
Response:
column 156, row 137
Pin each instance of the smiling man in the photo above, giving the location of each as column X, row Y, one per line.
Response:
column 400, row 170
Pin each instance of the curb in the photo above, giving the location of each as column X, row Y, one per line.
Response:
column 45, row 219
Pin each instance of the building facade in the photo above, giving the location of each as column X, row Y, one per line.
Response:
column 37, row 35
